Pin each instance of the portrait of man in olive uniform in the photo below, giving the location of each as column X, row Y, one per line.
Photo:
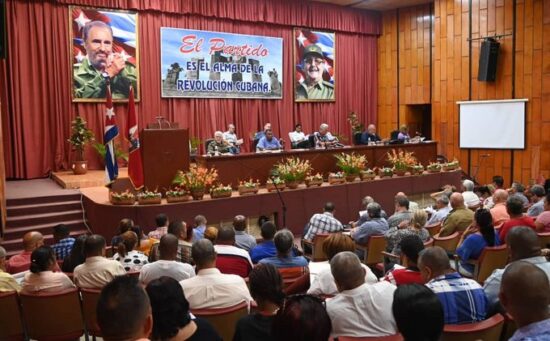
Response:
column 102, row 65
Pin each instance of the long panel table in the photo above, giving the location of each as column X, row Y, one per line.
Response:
column 234, row 168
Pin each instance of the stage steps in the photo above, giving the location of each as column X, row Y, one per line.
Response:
column 41, row 213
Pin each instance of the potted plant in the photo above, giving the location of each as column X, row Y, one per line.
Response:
column 417, row 169
column 351, row 165
column 293, row 171
column 121, row 156
column 249, row 187
column 122, row 198
column 401, row 161
column 194, row 143
column 197, row 180
column 272, row 184
column 385, row 172
column 314, row 180
column 336, row 178
column 434, row 167
column 221, row 191
column 449, row 166
column 81, row 135
column 177, row 194
column 149, row 197
column 367, row 174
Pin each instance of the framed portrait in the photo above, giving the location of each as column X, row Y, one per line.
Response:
column 315, row 60
column 104, row 52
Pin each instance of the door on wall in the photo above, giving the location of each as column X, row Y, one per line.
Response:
column 419, row 119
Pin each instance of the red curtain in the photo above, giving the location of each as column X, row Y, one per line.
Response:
column 37, row 75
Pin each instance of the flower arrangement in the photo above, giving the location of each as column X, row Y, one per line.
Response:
column 314, row 180
column 367, row 174
column 149, row 197
column 401, row 160
column 385, row 172
column 221, row 191
column 177, row 194
column 450, row 165
column 122, row 198
column 433, row 167
column 196, row 178
column 351, row 164
column 273, row 184
column 417, row 169
column 249, row 187
column 293, row 169
column 336, row 178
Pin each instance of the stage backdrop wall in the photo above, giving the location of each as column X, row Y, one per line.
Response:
column 36, row 78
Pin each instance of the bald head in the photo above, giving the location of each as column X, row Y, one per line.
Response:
column 523, row 242
column 203, row 254
column 168, row 247
column 347, row 270
column 499, row 196
column 433, row 262
column 457, row 200
column 525, row 293
column 239, row 223
column 32, row 240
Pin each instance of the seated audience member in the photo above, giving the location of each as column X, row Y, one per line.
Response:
column 413, row 206
column 485, row 194
column 242, row 239
column 200, row 227
column 210, row 288
column 458, row 219
column 124, row 311
column 231, row 259
column 498, row 182
column 323, row 138
column 63, row 241
column 463, row 299
column 523, row 245
column 525, row 294
column 323, row 223
column 76, row 256
column 167, row 264
column 261, row 133
column 266, row 288
column 403, row 133
column 321, row 279
column 211, row 233
column 401, row 212
column 123, row 226
column 418, row 313
column 131, row 260
column 411, row 246
column 364, row 215
column 267, row 247
column 171, row 317
column 97, row 270
column 370, row 136
column 231, row 137
column 441, row 212
column 284, row 241
column 21, row 262
column 471, row 199
column 268, row 142
column 359, row 309
column 144, row 243
column 375, row 226
column 542, row 222
column 297, row 138
column 218, row 145
column 161, row 222
column 478, row 236
column 499, row 212
column 41, row 277
column 514, row 207
column 517, row 190
column 7, row 282
column 176, row 228
column 537, row 197
column 302, row 318
column 415, row 227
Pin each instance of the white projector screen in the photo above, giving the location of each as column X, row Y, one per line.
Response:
column 492, row 124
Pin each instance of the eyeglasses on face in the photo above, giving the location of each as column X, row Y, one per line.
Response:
column 311, row 60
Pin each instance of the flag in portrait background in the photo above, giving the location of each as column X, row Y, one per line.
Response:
column 135, row 165
column 111, row 131
column 325, row 40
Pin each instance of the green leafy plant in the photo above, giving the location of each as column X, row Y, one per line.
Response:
column 101, row 151
column 356, row 126
column 81, row 135
column 293, row 169
column 351, row 164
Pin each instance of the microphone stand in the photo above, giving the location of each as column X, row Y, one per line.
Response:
column 280, row 199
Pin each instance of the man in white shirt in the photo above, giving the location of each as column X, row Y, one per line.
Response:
column 210, row 288
column 470, row 198
column 231, row 137
column 297, row 137
column 96, row 270
column 443, row 209
column 360, row 309
column 167, row 264
column 324, row 139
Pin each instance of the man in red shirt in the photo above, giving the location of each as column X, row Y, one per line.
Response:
column 21, row 262
column 514, row 207
column 411, row 246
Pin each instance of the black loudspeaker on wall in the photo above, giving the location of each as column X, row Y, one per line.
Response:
column 488, row 60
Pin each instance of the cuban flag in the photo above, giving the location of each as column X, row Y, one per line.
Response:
column 135, row 165
column 325, row 40
column 111, row 131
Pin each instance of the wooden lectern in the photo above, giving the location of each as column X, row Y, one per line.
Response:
column 164, row 152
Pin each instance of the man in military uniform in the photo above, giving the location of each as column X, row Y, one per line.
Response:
column 314, row 87
column 218, row 145
column 101, row 66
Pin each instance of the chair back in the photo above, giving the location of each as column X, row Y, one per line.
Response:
column 448, row 243
column 292, row 274
column 429, row 243
column 89, row 305
column 375, row 246
column 317, row 252
column 544, row 239
column 11, row 327
column 491, row 258
column 53, row 316
column 433, row 229
column 223, row 319
column 357, row 138
column 489, row 329
column 396, row 337
column 394, row 134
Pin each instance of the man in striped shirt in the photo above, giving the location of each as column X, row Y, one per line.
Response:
column 463, row 299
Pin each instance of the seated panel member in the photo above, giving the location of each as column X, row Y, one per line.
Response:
column 268, row 142
column 231, row 137
column 297, row 138
column 324, row 139
column 219, row 145
column 261, row 133
column 403, row 133
column 370, row 135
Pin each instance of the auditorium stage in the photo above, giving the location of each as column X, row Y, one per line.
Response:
column 301, row 203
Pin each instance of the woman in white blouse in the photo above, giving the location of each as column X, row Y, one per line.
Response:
column 41, row 277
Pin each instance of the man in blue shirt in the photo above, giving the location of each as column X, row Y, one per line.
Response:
column 268, row 142
column 267, row 247
column 63, row 241
column 200, row 227
column 463, row 299
column 284, row 240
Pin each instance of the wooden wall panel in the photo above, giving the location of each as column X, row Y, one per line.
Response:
column 523, row 72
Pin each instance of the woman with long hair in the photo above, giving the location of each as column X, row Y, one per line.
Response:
column 476, row 237
column 76, row 257
column 124, row 225
column 41, row 277
column 131, row 259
